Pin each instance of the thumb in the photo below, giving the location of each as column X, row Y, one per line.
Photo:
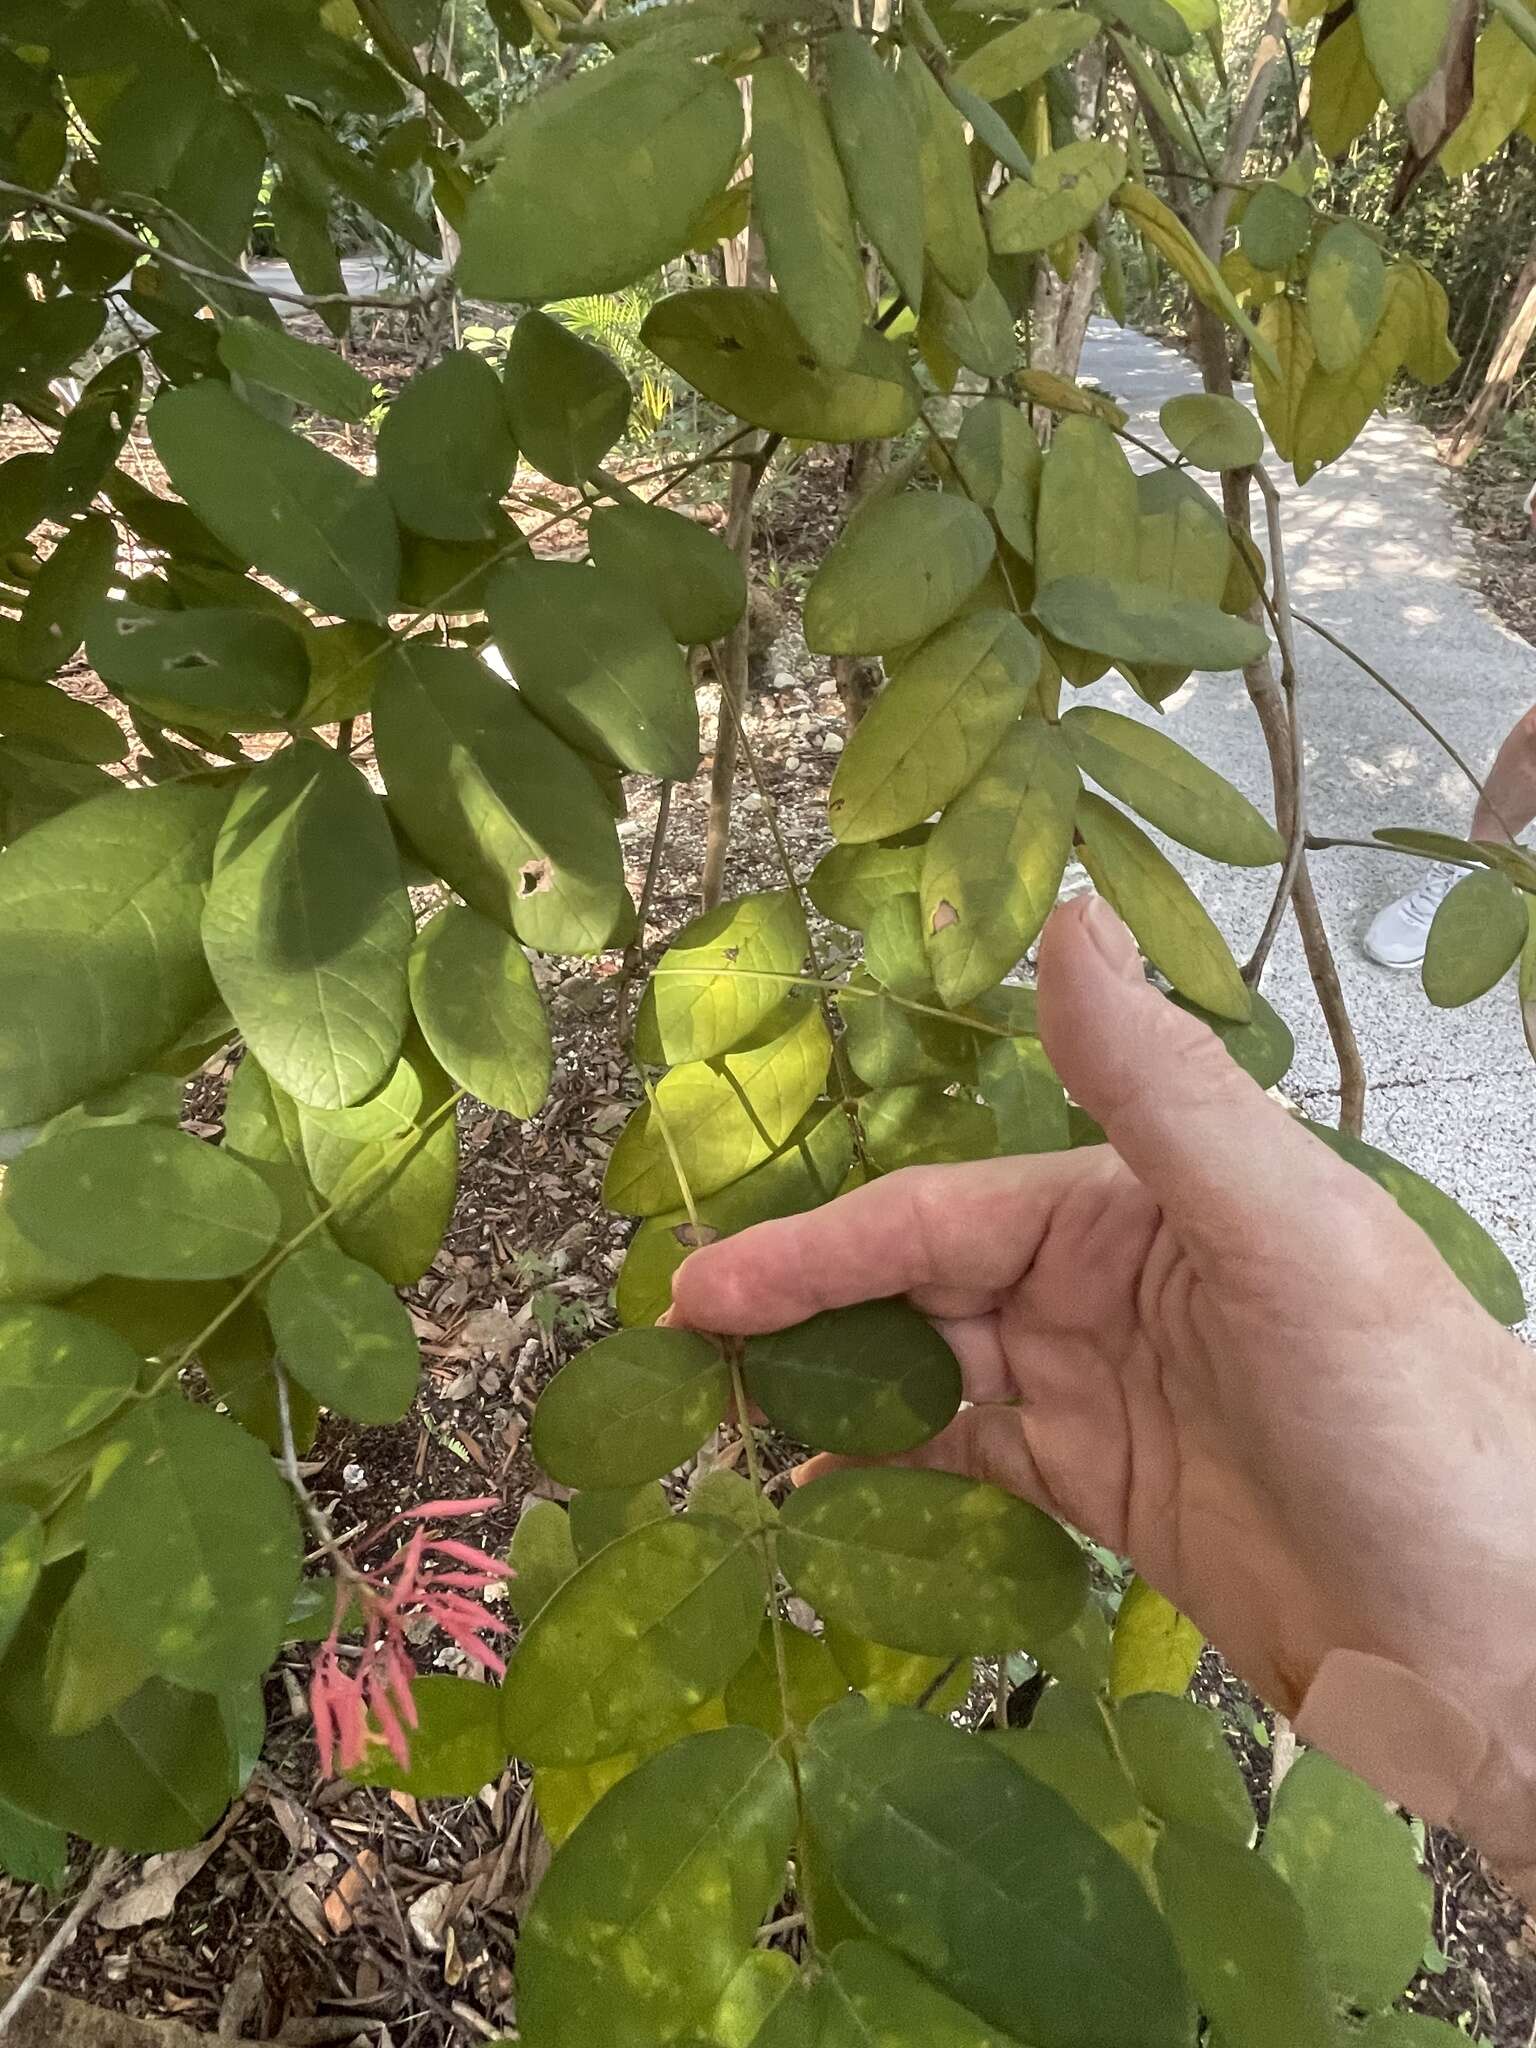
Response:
column 1226, row 1163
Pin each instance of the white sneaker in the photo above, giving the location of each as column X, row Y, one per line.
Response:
column 1398, row 935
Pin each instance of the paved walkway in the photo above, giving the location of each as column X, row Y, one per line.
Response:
column 1374, row 553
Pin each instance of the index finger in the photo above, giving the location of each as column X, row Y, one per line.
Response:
column 974, row 1227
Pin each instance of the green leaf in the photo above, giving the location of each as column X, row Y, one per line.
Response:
column 390, row 1166
column 504, row 811
column 542, row 1557
column 924, row 1126
column 1019, row 56
column 344, row 1334
column 1213, row 432
column 740, row 348
column 694, row 580
column 1466, row 1247
column 62, row 597
column 1064, row 193
column 867, row 1995
column 1067, row 1746
column 45, row 338
column 720, row 1117
column 308, row 926
column 888, row 1044
column 1477, row 935
column 1243, row 1942
column 810, row 1681
column 726, row 972
column 1403, row 42
column 1352, row 1866
column 475, row 999
column 568, row 401
column 600, row 1515
column 999, row 462
column 877, row 145
column 1528, row 980
column 868, row 1380
column 1161, row 226
column 893, row 950
column 897, row 1678
column 1017, row 1083
column 94, row 1665
column 802, row 209
column 456, row 1745
column 984, row 1877
column 650, row 1627
column 446, row 452
column 595, row 660
column 809, row 1171
column 953, row 237
column 59, row 1377
column 766, row 1978
column 59, row 723
column 1276, row 226
column 1129, row 622
column 305, row 518
column 978, row 332
column 1408, row 2030
column 850, row 883
column 648, row 1911
column 345, row 664
column 93, row 434
column 930, row 1562
column 1169, row 921
column 163, row 1205
column 301, row 370
column 1503, row 79
column 902, row 567
column 31, row 1852
column 1170, row 788
column 154, row 1774
column 195, row 1535
column 992, row 869
column 99, row 914
column 25, row 481
column 1263, row 1047
column 632, row 1408
column 1183, row 1768
column 1346, row 294
column 21, row 1543
column 218, row 671
column 542, row 227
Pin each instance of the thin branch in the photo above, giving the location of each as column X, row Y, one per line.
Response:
column 441, row 94
column 1290, row 682
column 634, row 953
column 103, row 224
column 101, row 1881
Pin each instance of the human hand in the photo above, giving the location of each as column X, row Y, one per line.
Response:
column 1225, row 1353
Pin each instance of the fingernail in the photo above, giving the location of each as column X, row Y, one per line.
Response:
column 1113, row 943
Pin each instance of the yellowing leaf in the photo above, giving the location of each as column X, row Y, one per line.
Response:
column 1017, row 57
column 1343, row 91
column 1154, row 1648
column 1346, row 294
column 1503, row 83
column 802, row 208
column 903, row 566
column 1182, row 253
column 953, row 235
column 877, row 145
column 726, row 972
column 1061, row 197
column 1278, row 391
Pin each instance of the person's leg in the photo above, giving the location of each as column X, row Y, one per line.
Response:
column 1508, row 802
column 1398, row 934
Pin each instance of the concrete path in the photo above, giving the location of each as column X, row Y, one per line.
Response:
column 1374, row 553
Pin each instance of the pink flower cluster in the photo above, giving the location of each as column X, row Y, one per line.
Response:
column 370, row 1705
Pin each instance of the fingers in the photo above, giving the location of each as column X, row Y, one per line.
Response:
column 952, row 1235
column 1225, row 1163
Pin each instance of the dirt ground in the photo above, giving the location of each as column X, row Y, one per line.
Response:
column 327, row 1914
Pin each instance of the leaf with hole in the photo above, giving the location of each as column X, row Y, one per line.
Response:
column 631, row 1408
column 163, row 1204
column 740, row 348
column 503, row 810
column 308, row 926
column 651, row 1907
column 901, row 568
column 726, row 972
column 1466, row 1247
column 694, row 580
column 992, row 869
column 867, row 1381
column 305, row 371
column 930, row 1562
column 1171, row 925
column 1477, row 935
column 650, row 1627
column 215, row 670
column 877, row 145
column 1353, row 1867
column 194, row 1533
column 1243, row 1942
column 720, row 1117
column 305, row 518
column 595, row 659
column 1170, row 788
column 344, row 1334
column 478, row 1006
column 568, row 401
column 804, row 215
column 965, row 1864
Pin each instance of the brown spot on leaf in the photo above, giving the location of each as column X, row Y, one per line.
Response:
column 534, row 877
column 691, row 1236
column 732, row 952
column 944, row 916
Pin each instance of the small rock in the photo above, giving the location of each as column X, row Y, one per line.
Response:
column 826, row 687
column 784, row 680
column 353, row 1478
column 832, row 743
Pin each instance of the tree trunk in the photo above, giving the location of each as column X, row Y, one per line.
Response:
column 1503, row 368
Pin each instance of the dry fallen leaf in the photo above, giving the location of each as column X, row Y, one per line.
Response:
column 428, row 1916
column 161, row 1883
column 349, row 1888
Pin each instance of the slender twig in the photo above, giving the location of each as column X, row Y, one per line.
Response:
column 101, row 1881
column 1290, row 682
column 634, row 953
column 441, row 94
